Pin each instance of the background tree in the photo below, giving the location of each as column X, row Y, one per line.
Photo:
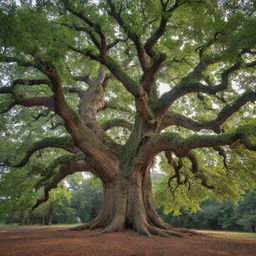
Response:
column 73, row 70
column 216, row 215
column 56, row 210
column 245, row 213
column 87, row 199
column 17, row 196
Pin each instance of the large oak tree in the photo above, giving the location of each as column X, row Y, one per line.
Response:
column 94, row 72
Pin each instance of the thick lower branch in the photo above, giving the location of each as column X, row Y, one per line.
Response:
column 65, row 143
column 181, row 146
column 116, row 123
column 83, row 137
column 63, row 172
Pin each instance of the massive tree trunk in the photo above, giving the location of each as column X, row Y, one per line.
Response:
column 128, row 203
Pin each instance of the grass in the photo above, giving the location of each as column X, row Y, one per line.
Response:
column 230, row 234
column 17, row 226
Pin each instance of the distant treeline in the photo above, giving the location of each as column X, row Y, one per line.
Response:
column 77, row 203
column 218, row 216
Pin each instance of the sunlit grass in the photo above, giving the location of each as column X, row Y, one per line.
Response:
column 17, row 226
column 230, row 234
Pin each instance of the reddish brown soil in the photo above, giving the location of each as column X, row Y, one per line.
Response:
column 57, row 242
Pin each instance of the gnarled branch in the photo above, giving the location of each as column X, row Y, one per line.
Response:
column 188, row 85
column 52, row 181
column 197, row 173
column 182, row 146
column 65, row 143
column 116, row 123
column 84, row 137
column 26, row 102
column 172, row 118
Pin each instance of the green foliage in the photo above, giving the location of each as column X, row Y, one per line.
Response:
column 29, row 31
column 215, row 215
column 57, row 209
column 228, row 183
column 86, row 200
column 17, row 195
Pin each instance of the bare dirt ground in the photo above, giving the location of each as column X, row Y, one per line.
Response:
column 59, row 242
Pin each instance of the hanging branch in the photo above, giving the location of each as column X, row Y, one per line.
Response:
column 197, row 173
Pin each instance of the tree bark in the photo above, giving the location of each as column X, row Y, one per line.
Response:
column 128, row 203
column 50, row 215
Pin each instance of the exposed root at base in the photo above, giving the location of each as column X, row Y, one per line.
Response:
column 96, row 223
column 81, row 227
column 141, row 228
column 117, row 224
column 156, row 221
column 189, row 232
column 165, row 232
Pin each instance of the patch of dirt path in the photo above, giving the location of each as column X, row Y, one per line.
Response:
column 59, row 242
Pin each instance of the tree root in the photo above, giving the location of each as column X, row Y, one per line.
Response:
column 117, row 224
column 188, row 232
column 96, row 223
column 156, row 220
column 165, row 233
column 81, row 227
column 162, row 226
column 141, row 228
